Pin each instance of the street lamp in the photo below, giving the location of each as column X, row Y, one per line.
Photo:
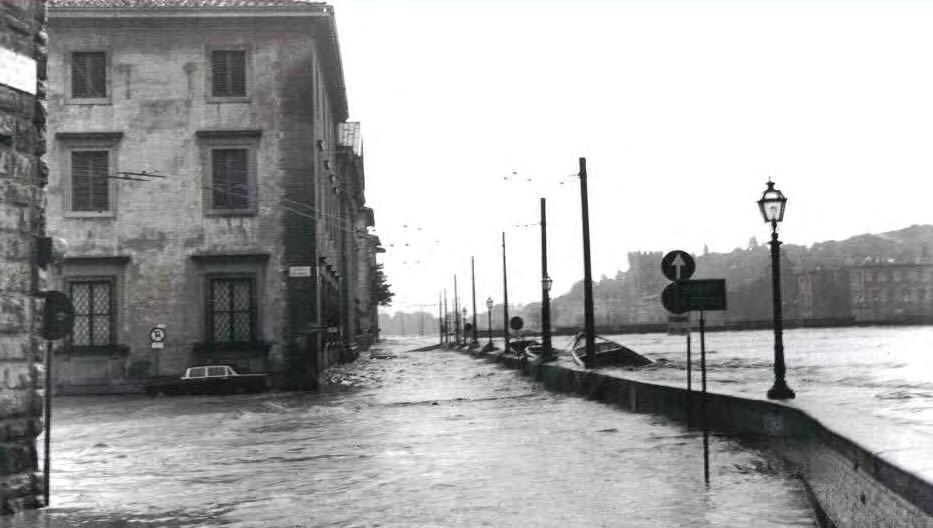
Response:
column 772, row 204
column 489, row 304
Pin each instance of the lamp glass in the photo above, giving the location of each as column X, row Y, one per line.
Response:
column 772, row 204
column 489, row 303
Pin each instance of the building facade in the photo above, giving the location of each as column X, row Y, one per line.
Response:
column 23, row 172
column 201, row 177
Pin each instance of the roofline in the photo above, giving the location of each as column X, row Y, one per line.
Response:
column 330, row 42
column 307, row 10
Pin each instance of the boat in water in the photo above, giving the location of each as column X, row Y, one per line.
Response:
column 608, row 353
column 519, row 347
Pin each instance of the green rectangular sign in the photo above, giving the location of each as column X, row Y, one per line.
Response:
column 702, row 295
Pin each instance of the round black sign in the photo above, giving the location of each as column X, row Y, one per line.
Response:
column 516, row 323
column 678, row 265
column 467, row 327
column 671, row 300
column 58, row 316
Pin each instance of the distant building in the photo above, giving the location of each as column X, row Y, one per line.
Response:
column 892, row 292
column 208, row 184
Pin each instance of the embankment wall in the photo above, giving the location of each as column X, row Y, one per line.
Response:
column 853, row 486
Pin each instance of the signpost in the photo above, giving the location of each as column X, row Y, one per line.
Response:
column 685, row 295
column 157, row 337
column 58, row 317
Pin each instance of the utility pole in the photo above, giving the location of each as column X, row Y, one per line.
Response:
column 473, row 338
column 446, row 328
column 589, row 326
column 456, row 314
column 440, row 320
column 545, row 285
column 505, row 298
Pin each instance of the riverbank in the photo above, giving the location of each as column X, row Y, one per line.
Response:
column 859, row 475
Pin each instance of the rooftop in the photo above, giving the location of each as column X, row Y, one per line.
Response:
column 179, row 4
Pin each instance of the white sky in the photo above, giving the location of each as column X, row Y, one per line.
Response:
column 682, row 110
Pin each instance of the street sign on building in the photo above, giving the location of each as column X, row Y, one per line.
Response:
column 157, row 337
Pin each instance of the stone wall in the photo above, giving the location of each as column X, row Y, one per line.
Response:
column 22, row 176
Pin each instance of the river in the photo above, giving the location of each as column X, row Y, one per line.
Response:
column 423, row 439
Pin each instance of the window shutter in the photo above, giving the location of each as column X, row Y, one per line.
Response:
column 89, row 74
column 89, row 181
column 79, row 81
column 219, row 73
column 230, row 179
column 228, row 72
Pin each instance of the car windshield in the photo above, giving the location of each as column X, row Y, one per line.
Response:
column 216, row 371
column 196, row 372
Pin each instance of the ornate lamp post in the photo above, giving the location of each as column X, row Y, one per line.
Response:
column 489, row 304
column 772, row 204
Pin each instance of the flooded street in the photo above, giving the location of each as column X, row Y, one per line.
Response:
column 420, row 439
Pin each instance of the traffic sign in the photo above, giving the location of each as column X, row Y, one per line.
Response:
column 678, row 265
column 157, row 335
column 516, row 323
column 58, row 315
column 467, row 327
column 695, row 295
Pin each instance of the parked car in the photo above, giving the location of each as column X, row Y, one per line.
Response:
column 209, row 379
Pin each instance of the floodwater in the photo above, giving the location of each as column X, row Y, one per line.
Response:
column 431, row 438
column 884, row 372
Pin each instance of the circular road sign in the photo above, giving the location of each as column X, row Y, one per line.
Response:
column 467, row 327
column 157, row 335
column 678, row 265
column 516, row 323
column 58, row 316
column 670, row 298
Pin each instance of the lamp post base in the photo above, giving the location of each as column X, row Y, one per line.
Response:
column 780, row 391
column 489, row 347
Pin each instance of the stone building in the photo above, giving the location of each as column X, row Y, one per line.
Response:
column 22, row 175
column 208, row 184
column 891, row 292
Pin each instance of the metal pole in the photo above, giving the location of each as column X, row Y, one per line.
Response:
column 780, row 390
column 588, row 323
column 440, row 319
column 473, row 338
column 703, row 403
column 545, row 295
column 489, row 328
column 446, row 322
column 505, row 298
column 47, row 416
column 689, row 379
column 456, row 314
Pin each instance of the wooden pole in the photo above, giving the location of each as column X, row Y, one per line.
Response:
column 545, row 295
column 473, row 339
column 505, row 297
column 588, row 323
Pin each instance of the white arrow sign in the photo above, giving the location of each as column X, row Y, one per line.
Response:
column 678, row 264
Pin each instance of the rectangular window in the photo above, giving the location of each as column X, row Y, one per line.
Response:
column 232, row 310
column 228, row 73
column 89, row 180
column 230, row 179
column 89, row 74
column 94, row 315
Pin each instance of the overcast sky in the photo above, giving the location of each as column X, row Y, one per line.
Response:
column 682, row 111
